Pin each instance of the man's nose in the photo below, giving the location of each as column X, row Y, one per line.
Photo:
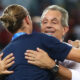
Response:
column 49, row 27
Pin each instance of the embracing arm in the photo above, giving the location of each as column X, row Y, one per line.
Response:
column 74, row 51
column 74, row 54
column 6, row 63
column 75, row 43
column 40, row 58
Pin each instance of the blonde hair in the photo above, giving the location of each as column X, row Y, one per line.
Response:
column 64, row 19
column 12, row 17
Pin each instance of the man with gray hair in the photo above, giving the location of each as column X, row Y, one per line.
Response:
column 54, row 22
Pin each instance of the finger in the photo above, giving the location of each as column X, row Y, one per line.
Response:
column 8, row 56
column 1, row 55
column 69, row 41
column 29, row 58
column 77, row 40
column 25, row 53
column 30, row 55
column 10, row 64
column 9, row 60
column 31, row 51
column 8, row 72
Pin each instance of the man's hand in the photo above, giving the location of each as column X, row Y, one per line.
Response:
column 6, row 63
column 75, row 43
column 39, row 58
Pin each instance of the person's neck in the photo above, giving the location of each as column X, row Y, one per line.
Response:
column 61, row 39
column 25, row 31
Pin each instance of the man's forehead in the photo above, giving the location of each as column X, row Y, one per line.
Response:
column 51, row 14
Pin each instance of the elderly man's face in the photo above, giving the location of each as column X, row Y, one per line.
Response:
column 51, row 24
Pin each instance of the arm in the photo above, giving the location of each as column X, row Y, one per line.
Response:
column 74, row 51
column 74, row 69
column 6, row 63
column 65, row 72
column 40, row 58
column 72, row 56
column 61, row 49
column 75, row 43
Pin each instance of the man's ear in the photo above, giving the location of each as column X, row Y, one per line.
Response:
column 27, row 19
column 66, row 29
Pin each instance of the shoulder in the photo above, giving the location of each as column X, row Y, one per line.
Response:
column 44, row 36
column 9, row 47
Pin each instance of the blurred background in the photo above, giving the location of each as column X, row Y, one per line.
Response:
column 36, row 8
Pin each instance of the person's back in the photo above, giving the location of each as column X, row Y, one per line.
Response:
column 23, row 70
